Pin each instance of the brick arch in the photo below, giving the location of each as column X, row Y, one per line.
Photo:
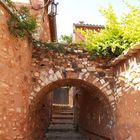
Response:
column 52, row 70
column 50, row 66
column 36, row 113
column 86, row 85
column 45, row 78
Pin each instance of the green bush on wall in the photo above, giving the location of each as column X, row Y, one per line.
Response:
column 26, row 24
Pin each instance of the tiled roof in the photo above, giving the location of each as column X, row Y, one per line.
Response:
column 88, row 25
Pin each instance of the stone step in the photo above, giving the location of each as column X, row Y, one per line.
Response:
column 66, row 138
column 61, row 116
column 63, row 112
column 61, row 127
column 61, row 134
column 62, row 121
column 71, row 135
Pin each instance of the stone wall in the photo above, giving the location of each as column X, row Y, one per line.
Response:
column 39, row 117
column 52, row 70
column 127, row 95
column 95, row 117
column 43, row 28
column 49, row 66
column 15, row 82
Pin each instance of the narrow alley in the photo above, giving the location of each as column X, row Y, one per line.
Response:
column 62, row 126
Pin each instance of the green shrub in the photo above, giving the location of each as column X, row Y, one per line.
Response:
column 117, row 35
column 66, row 39
column 26, row 24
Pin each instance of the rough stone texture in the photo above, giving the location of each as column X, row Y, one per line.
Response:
column 52, row 70
column 15, row 83
column 127, row 95
column 39, row 118
column 120, row 88
column 94, row 116
column 42, row 19
column 97, row 115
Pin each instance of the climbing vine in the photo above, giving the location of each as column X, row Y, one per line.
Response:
column 26, row 23
column 21, row 23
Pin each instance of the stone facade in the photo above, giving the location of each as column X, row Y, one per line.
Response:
column 15, row 83
column 127, row 95
column 52, row 70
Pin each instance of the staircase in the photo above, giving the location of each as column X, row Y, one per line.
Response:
column 61, row 126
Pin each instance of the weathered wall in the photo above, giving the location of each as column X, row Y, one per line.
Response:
column 49, row 66
column 43, row 30
column 43, row 27
column 95, row 116
column 15, row 81
column 39, row 118
column 127, row 95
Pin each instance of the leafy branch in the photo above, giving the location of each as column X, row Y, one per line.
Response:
column 21, row 23
column 117, row 35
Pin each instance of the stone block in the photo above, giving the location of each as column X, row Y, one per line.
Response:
column 91, row 69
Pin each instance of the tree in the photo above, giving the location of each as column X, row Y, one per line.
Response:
column 117, row 35
column 66, row 39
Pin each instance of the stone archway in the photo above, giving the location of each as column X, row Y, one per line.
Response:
column 92, row 96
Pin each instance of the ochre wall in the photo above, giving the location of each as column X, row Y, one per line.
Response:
column 39, row 118
column 127, row 95
column 43, row 27
column 15, row 82
column 95, row 116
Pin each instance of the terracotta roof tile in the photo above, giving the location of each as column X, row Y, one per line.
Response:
column 88, row 25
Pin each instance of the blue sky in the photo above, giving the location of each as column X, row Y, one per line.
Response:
column 73, row 11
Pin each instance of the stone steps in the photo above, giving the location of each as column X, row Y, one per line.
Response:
column 61, row 136
column 61, row 126
column 60, row 116
column 59, row 121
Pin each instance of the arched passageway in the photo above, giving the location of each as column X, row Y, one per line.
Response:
column 95, row 117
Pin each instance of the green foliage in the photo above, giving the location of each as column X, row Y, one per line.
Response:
column 66, row 39
column 21, row 23
column 117, row 35
column 57, row 47
column 25, row 24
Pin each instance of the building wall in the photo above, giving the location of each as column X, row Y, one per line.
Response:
column 43, row 27
column 39, row 118
column 127, row 95
column 15, row 82
column 95, row 117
